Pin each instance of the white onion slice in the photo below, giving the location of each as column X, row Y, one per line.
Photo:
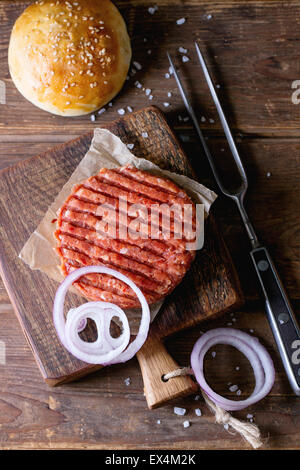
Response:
column 258, row 356
column 105, row 350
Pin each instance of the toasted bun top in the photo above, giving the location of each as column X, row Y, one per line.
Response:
column 69, row 57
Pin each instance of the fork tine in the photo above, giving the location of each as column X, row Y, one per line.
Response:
column 197, row 127
column 223, row 120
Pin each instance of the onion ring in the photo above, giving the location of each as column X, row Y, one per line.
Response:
column 258, row 356
column 105, row 350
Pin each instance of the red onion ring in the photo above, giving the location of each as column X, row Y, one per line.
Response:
column 105, row 350
column 258, row 356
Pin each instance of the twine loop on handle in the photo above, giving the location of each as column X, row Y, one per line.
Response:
column 250, row 432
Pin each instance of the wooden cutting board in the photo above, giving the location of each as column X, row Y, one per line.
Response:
column 26, row 191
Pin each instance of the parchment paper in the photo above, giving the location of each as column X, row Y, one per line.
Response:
column 106, row 151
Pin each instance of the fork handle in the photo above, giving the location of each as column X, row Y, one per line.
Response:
column 280, row 315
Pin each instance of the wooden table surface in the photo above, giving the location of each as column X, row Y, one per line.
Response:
column 253, row 51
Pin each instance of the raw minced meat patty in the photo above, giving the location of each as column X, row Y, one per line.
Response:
column 156, row 265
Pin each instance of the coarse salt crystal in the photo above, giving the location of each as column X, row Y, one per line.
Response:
column 145, row 135
column 182, row 50
column 186, row 424
column 197, row 397
column 179, row 411
column 213, row 354
column 127, row 381
column 233, row 388
column 101, row 111
column 121, row 111
column 203, row 119
column 171, row 71
column 149, row 51
column 110, row 105
column 237, row 368
column 158, row 421
column 268, row 174
column 138, row 84
column 185, row 119
column 249, row 416
column 198, row 412
column 211, row 121
column 123, row 251
column 152, row 10
column 169, row 94
column 207, row 16
column 166, row 104
column 148, row 91
column 185, row 58
column 93, row 117
column 226, row 426
column 130, row 146
column 129, row 109
column 239, row 392
column 137, row 65
column 180, row 21
column 167, row 75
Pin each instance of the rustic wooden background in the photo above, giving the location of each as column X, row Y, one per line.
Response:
column 253, row 51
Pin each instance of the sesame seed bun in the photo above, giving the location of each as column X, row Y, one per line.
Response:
column 69, row 57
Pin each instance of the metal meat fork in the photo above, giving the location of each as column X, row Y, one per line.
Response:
column 279, row 312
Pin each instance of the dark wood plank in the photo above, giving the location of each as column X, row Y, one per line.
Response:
column 39, row 179
column 255, row 81
column 89, row 414
column 276, row 197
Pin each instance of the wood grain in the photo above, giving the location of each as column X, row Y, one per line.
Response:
column 255, row 81
column 252, row 50
column 32, row 185
column 89, row 414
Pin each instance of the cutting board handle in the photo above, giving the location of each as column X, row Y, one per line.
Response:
column 155, row 361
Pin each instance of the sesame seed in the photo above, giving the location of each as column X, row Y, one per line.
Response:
column 101, row 111
column 129, row 108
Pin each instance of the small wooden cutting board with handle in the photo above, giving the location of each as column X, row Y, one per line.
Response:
column 26, row 191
